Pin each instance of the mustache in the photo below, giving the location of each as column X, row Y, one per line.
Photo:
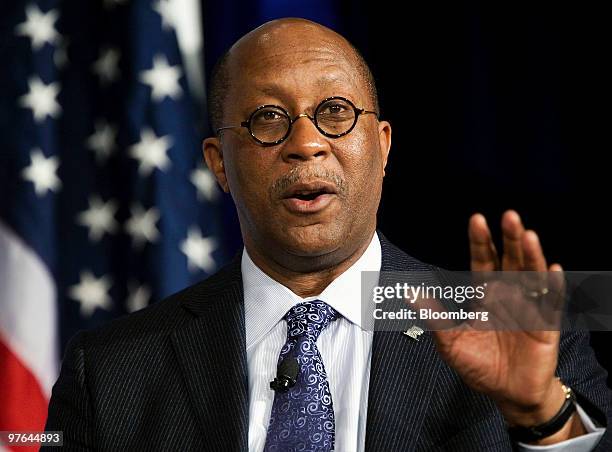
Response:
column 299, row 174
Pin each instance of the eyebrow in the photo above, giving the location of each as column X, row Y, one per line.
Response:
column 273, row 89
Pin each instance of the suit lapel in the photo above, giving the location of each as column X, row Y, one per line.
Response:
column 211, row 353
column 402, row 376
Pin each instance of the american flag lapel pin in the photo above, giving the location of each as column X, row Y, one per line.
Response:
column 414, row 332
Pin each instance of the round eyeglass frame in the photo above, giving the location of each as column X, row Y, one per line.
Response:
column 247, row 124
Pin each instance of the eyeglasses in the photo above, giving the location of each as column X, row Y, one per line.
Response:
column 270, row 125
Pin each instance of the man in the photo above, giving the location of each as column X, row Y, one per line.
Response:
column 302, row 151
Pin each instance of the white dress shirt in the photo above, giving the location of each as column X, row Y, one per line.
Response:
column 345, row 347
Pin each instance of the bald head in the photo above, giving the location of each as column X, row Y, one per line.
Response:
column 291, row 33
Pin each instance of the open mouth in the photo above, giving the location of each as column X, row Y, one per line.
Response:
column 308, row 191
column 311, row 197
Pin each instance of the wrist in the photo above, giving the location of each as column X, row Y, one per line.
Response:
column 539, row 426
column 569, row 430
column 536, row 413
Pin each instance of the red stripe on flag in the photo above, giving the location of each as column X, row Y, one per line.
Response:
column 23, row 405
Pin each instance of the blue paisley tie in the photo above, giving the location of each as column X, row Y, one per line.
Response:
column 302, row 418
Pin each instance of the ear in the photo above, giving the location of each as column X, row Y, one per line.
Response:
column 214, row 160
column 384, row 140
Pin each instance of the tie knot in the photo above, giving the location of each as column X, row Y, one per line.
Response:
column 309, row 318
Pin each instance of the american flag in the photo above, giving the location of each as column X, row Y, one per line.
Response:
column 105, row 204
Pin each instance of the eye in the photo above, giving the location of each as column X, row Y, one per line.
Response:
column 333, row 109
column 270, row 115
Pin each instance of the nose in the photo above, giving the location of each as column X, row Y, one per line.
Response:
column 305, row 142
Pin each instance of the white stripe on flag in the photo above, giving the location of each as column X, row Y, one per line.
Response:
column 28, row 313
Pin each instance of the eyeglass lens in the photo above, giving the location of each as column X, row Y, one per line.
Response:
column 332, row 117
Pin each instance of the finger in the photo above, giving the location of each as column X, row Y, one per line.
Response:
column 556, row 286
column 482, row 250
column 555, row 268
column 535, row 274
column 512, row 233
column 534, row 259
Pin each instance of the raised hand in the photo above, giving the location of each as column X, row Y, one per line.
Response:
column 515, row 368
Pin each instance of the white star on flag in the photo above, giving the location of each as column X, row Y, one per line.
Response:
column 91, row 293
column 151, row 151
column 102, row 141
column 205, row 184
column 167, row 9
column 138, row 296
column 41, row 99
column 199, row 250
column 42, row 172
column 141, row 225
column 39, row 26
column 107, row 65
column 163, row 79
column 99, row 218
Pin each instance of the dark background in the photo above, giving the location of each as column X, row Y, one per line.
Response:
column 491, row 109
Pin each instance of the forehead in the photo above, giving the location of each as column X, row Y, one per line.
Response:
column 293, row 60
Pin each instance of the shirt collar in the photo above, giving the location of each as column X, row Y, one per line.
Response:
column 266, row 301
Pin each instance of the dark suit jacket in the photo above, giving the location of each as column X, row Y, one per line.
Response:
column 174, row 377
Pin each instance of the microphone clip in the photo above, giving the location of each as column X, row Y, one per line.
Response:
column 286, row 375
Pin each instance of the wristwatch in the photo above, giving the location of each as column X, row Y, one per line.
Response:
column 537, row 432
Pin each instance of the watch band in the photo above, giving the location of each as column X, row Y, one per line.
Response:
column 537, row 432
